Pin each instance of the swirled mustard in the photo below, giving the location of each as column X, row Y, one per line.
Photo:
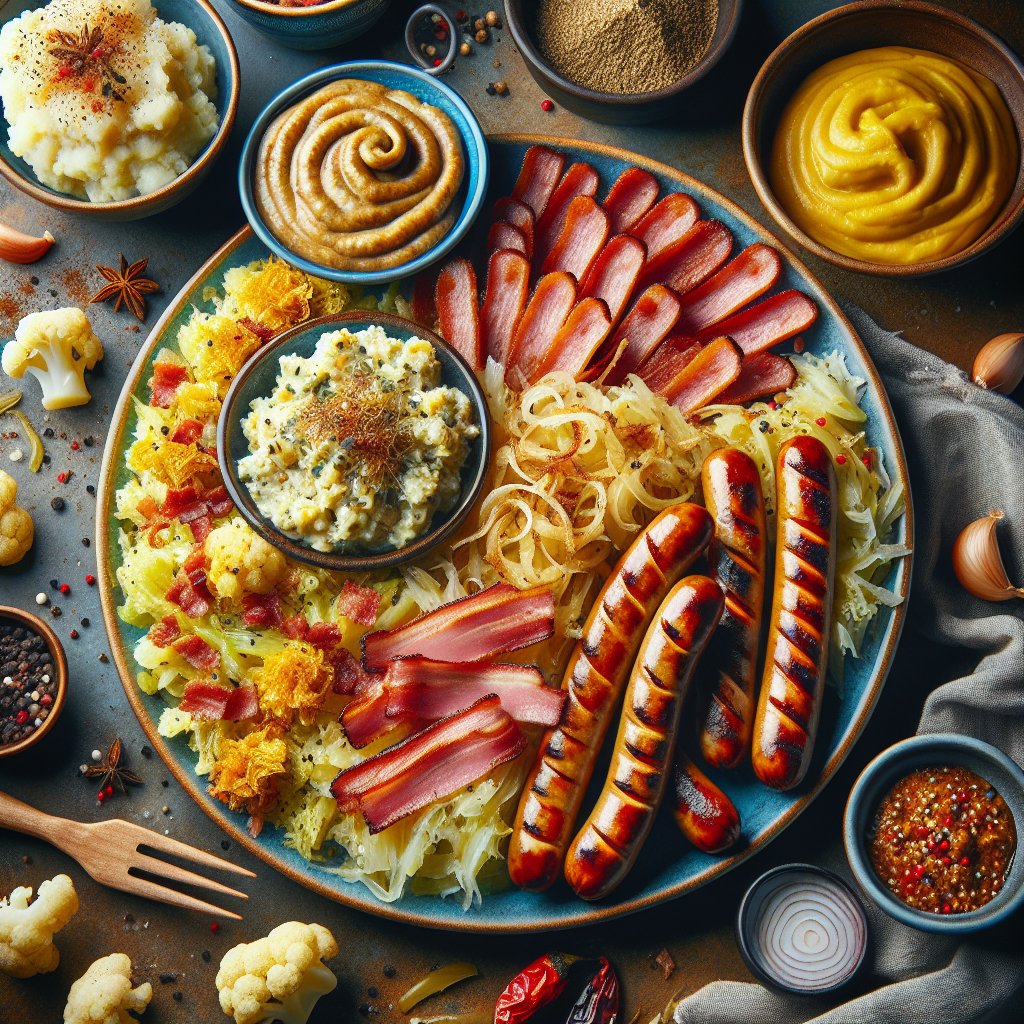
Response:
column 357, row 176
column 895, row 155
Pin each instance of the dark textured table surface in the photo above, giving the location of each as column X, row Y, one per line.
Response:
column 953, row 315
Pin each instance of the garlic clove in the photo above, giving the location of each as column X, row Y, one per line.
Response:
column 17, row 247
column 1000, row 363
column 979, row 565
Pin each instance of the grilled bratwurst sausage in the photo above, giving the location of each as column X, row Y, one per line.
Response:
column 704, row 814
column 736, row 558
column 593, row 682
column 805, row 563
column 607, row 845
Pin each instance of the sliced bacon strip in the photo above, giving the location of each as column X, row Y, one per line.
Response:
column 423, row 689
column 477, row 628
column 200, row 527
column 365, row 718
column 666, row 222
column 542, row 167
column 614, row 273
column 197, row 652
column 167, row 378
column 190, row 593
column 769, row 322
column 219, row 502
column 737, row 284
column 432, row 765
column 762, row 374
column 503, row 235
column 705, row 376
column 508, row 287
column 208, row 702
column 165, row 632
column 548, row 308
column 652, row 318
column 456, row 297
column 519, row 215
column 670, row 358
column 632, row 194
column 323, row 635
column 263, row 611
column 580, row 180
column 582, row 238
column 578, row 341
column 182, row 501
column 423, row 309
column 690, row 259
column 187, row 432
column 360, row 604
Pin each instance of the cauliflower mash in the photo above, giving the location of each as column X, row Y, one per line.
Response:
column 360, row 444
column 104, row 100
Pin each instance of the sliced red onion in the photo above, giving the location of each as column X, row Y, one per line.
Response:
column 802, row 929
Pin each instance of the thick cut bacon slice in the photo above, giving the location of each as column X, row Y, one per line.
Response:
column 582, row 238
column 508, row 287
column 630, row 197
column 167, row 378
column 670, row 358
column 197, row 652
column 705, row 376
column 423, row 309
column 578, row 341
column 477, row 628
column 507, row 236
column 762, row 374
column 769, row 322
column 580, row 180
column 423, row 689
column 542, row 167
column 360, row 604
column 666, row 222
column 614, row 273
column 262, row 611
column 208, row 702
column 432, row 765
column 652, row 318
column 165, row 632
column 548, row 308
column 520, row 216
column 365, row 718
column 457, row 311
column 690, row 259
column 736, row 285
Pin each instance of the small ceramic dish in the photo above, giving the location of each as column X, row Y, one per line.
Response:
column 859, row 26
column 788, row 926
column 60, row 664
column 312, row 28
column 609, row 107
column 933, row 751
column 258, row 378
column 468, row 201
column 210, row 30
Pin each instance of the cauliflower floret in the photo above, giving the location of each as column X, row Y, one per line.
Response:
column 104, row 994
column 16, row 527
column 279, row 977
column 246, row 774
column 295, row 679
column 56, row 346
column 242, row 562
column 27, row 931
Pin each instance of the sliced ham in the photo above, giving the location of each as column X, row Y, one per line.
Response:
column 705, row 376
column 508, row 287
column 614, row 273
column 666, row 222
column 630, row 197
column 208, row 702
column 456, row 298
column 652, row 318
column 197, row 652
column 359, row 604
column 432, row 765
column 582, row 237
column 762, row 374
column 690, row 259
column 520, row 216
column 548, row 308
column 767, row 323
column 736, row 285
column 580, row 180
column 424, row 311
column 167, row 378
column 541, row 170
column 477, row 628
column 578, row 341
column 262, row 611
column 669, row 359
column 503, row 235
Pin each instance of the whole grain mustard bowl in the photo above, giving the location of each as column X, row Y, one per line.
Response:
column 887, row 139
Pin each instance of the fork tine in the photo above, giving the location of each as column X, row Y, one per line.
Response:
column 144, row 887
column 165, row 844
column 161, row 868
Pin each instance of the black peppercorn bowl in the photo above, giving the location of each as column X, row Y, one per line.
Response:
column 60, row 665
column 933, row 751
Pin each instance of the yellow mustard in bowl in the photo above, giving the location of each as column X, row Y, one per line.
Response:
column 894, row 155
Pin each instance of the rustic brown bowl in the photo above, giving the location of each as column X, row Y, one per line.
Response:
column 60, row 664
column 860, row 26
column 609, row 107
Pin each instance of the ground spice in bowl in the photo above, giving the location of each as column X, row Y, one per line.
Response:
column 627, row 47
column 29, row 683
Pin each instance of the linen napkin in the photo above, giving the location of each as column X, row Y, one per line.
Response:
column 965, row 452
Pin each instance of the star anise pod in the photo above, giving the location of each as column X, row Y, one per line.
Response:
column 127, row 287
column 110, row 770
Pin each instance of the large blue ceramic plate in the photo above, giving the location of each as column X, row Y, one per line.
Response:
column 667, row 867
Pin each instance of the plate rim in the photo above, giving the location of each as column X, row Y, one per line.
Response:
column 597, row 912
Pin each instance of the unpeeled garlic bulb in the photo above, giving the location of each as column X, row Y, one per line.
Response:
column 979, row 565
column 1000, row 363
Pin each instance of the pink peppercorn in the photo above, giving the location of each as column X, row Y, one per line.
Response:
column 75, row 446
column 546, row 105
column 65, row 588
column 821, row 421
column 90, row 580
column 841, row 459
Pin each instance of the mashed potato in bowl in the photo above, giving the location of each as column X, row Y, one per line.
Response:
column 104, row 100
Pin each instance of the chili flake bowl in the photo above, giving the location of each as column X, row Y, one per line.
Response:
column 59, row 661
column 933, row 751
column 258, row 378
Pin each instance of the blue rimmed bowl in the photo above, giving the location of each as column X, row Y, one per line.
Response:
column 933, row 751
column 424, row 87
column 210, row 30
column 312, row 28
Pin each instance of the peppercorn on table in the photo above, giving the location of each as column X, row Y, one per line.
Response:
column 674, row 948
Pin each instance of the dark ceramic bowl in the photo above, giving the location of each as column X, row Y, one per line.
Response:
column 36, row 624
column 206, row 23
column 859, row 26
column 258, row 378
column 933, row 751
column 607, row 107
column 319, row 27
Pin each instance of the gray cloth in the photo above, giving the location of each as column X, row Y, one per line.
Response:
column 965, row 450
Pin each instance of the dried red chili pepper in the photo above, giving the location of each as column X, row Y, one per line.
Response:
column 534, row 986
column 599, row 1001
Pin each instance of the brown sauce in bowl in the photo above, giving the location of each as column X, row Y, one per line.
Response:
column 943, row 841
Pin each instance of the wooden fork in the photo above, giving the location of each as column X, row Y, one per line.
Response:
column 112, row 853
